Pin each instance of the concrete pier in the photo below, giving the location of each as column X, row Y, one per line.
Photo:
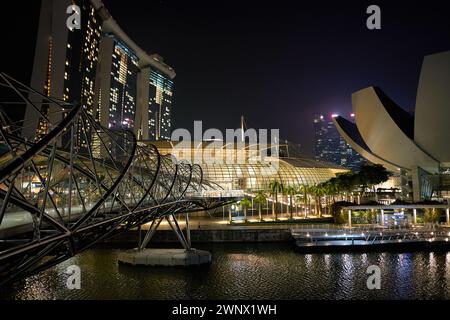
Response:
column 165, row 257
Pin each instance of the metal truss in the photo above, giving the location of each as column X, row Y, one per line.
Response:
column 78, row 183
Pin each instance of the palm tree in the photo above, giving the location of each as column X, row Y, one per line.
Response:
column 275, row 188
column 303, row 189
column 329, row 190
column 290, row 192
column 318, row 192
column 260, row 199
column 245, row 203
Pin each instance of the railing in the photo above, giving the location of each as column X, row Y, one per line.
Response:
column 371, row 234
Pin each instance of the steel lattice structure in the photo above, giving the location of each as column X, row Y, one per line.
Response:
column 79, row 183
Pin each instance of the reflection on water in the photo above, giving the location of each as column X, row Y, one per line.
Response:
column 248, row 271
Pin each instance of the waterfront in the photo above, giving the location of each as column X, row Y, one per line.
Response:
column 248, row 271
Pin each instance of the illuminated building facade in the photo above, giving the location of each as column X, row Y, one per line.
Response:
column 160, row 105
column 331, row 147
column 134, row 89
column 65, row 61
column 99, row 66
column 123, row 88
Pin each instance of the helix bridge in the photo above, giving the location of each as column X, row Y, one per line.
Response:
column 76, row 183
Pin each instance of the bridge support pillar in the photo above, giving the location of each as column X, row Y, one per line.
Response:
column 415, row 216
column 447, row 216
column 173, row 223
column 188, row 231
column 151, row 231
column 166, row 257
column 382, row 217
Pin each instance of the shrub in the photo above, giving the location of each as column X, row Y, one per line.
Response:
column 336, row 211
column 432, row 215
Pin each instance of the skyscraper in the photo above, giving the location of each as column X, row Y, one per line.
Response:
column 99, row 66
column 134, row 89
column 160, row 104
column 65, row 61
column 118, row 81
column 331, row 147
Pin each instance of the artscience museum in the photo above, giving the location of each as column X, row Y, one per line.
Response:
column 413, row 146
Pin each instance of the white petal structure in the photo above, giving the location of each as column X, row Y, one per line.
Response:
column 386, row 134
column 350, row 133
column 388, row 130
column 432, row 126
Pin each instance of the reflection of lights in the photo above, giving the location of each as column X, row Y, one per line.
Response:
column 432, row 233
column 381, row 233
column 326, row 234
column 446, row 239
column 307, row 235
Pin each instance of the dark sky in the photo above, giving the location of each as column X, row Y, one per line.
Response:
column 276, row 62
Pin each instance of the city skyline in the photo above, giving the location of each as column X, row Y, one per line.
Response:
column 303, row 199
column 330, row 146
column 219, row 63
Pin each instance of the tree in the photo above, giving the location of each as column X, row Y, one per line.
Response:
column 260, row 199
column 275, row 188
column 290, row 192
column 304, row 190
column 346, row 183
column 318, row 192
column 432, row 215
column 338, row 215
column 329, row 189
column 367, row 177
column 371, row 175
column 245, row 203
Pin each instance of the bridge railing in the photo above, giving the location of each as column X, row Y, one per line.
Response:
column 78, row 182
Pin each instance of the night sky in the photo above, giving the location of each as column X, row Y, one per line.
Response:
column 276, row 62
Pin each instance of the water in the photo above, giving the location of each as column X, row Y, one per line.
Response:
column 248, row 271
